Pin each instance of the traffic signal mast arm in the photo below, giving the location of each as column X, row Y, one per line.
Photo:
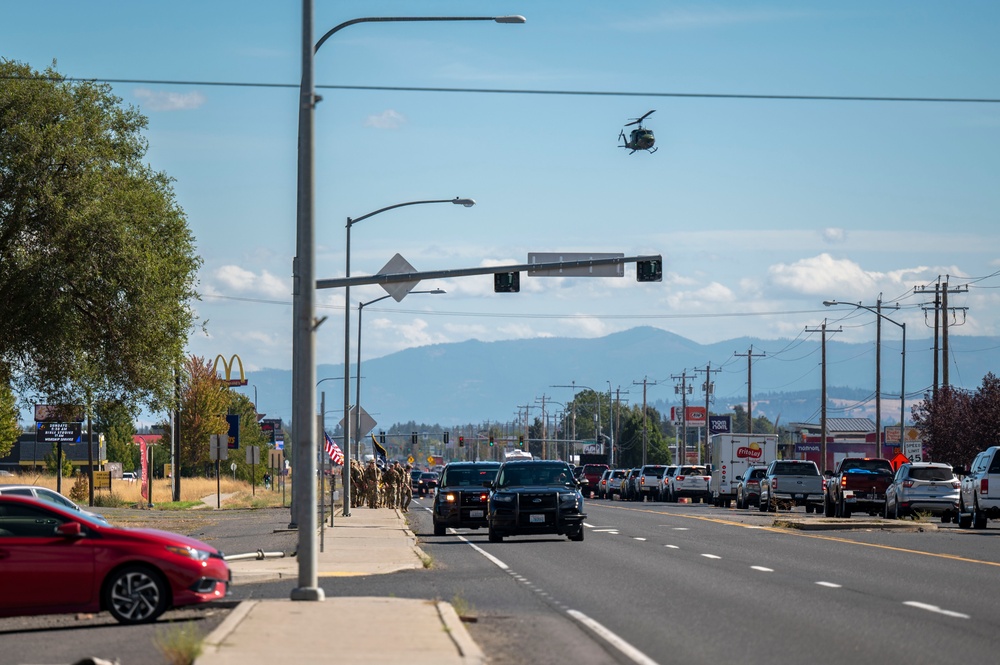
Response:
column 464, row 272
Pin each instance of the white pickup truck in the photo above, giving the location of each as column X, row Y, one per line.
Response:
column 789, row 482
column 980, row 494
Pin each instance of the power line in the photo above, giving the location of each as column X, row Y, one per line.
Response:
column 528, row 91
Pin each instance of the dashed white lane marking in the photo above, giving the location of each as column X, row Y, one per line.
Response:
column 638, row 538
column 499, row 564
column 673, row 547
column 762, row 569
column 681, row 528
column 938, row 610
column 830, row 585
column 611, row 638
column 711, row 556
column 605, row 530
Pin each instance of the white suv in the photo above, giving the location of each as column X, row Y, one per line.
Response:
column 691, row 481
column 979, row 498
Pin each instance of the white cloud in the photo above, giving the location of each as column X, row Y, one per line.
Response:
column 822, row 276
column 388, row 119
column 833, row 235
column 170, row 101
column 241, row 280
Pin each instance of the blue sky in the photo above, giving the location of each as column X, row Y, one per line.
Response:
column 761, row 208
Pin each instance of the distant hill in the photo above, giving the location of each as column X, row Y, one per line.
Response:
column 476, row 381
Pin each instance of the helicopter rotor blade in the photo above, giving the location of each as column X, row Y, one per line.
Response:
column 634, row 122
column 647, row 115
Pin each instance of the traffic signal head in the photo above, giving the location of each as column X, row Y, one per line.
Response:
column 413, row 438
column 506, row 282
column 491, row 439
column 446, row 436
column 520, row 441
column 649, row 270
column 461, row 441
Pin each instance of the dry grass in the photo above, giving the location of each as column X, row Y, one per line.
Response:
column 193, row 490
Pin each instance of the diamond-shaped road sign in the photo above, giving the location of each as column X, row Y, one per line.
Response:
column 396, row 265
column 367, row 422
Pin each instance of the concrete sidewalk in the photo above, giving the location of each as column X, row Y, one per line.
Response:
column 370, row 542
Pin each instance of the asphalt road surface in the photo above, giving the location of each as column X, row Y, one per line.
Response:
column 651, row 583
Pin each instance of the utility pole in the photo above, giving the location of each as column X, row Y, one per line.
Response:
column 645, row 444
column 941, row 325
column 684, row 389
column 750, row 355
column 822, row 419
column 708, row 387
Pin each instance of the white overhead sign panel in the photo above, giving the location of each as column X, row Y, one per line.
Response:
column 610, row 270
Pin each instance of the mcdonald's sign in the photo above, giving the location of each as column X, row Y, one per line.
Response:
column 228, row 366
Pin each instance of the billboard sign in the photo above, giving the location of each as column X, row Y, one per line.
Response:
column 720, row 424
column 58, row 432
column 234, row 430
column 234, row 360
column 58, row 413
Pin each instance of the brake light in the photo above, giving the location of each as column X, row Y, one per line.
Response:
column 753, row 483
column 955, row 485
column 843, row 481
column 484, row 497
column 984, row 486
column 907, row 483
column 679, row 478
column 774, row 483
column 707, row 478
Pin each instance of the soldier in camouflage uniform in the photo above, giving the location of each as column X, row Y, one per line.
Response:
column 357, row 484
column 407, row 495
column 389, row 478
column 371, row 478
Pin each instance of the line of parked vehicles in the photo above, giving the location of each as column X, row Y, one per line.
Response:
column 968, row 496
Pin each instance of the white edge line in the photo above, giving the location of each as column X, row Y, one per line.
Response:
column 499, row 564
column 627, row 649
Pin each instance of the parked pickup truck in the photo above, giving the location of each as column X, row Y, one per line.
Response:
column 980, row 493
column 788, row 483
column 858, row 484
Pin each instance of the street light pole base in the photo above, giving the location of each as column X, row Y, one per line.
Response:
column 308, row 593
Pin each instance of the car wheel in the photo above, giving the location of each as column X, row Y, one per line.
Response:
column 964, row 518
column 439, row 528
column 761, row 506
column 845, row 510
column 895, row 511
column 495, row 536
column 135, row 594
column 829, row 510
column 945, row 518
column 978, row 517
column 809, row 508
column 578, row 536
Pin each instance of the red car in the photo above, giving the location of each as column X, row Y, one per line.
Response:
column 56, row 561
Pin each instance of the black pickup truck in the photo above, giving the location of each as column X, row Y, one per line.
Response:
column 535, row 497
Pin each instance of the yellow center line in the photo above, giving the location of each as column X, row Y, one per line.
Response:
column 799, row 533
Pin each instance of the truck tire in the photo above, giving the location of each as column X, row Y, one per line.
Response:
column 828, row 508
column 844, row 509
column 964, row 518
column 439, row 528
column 809, row 508
column 978, row 517
column 761, row 506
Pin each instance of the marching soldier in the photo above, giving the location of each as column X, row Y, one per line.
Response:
column 407, row 495
column 371, row 478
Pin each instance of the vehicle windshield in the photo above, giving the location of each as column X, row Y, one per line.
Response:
column 931, row 473
column 519, row 475
column 692, row 471
column 469, row 476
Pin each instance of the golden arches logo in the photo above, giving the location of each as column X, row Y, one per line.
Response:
column 228, row 366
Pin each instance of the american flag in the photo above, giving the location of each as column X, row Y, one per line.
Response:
column 334, row 451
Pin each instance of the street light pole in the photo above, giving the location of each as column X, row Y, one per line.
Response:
column 468, row 203
column 357, row 372
column 303, row 306
column 877, row 311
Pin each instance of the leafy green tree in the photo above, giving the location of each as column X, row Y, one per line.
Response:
column 10, row 428
column 204, row 405
column 250, row 435
column 629, row 444
column 99, row 266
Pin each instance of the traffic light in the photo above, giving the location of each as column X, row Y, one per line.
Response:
column 506, row 282
column 461, row 441
column 446, row 437
column 520, row 441
column 413, row 438
column 381, row 438
column 491, row 439
column 649, row 270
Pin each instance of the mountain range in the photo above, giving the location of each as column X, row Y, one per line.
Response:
column 475, row 382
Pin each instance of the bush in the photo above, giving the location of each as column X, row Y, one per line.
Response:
column 80, row 492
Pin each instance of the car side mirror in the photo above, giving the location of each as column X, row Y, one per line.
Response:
column 69, row 530
column 828, row 473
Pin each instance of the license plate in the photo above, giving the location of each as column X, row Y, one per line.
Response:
column 475, row 513
column 536, row 519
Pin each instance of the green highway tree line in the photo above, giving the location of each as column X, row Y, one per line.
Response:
column 97, row 264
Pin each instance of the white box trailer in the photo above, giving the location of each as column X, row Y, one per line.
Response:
column 731, row 455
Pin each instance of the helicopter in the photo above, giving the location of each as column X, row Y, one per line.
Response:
column 639, row 138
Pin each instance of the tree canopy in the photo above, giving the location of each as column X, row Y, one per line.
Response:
column 957, row 424
column 97, row 264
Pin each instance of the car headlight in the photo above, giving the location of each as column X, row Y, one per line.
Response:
column 503, row 498
column 189, row 552
column 449, row 497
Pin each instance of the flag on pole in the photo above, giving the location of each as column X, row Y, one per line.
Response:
column 381, row 455
column 334, row 451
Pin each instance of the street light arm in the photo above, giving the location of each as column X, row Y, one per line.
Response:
column 389, row 19
column 468, row 203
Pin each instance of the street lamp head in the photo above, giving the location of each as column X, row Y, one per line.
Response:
column 468, row 203
column 511, row 19
column 437, row 292
column 830, row 303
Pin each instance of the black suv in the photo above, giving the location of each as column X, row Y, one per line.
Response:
column 462, row 496
column 533, row 497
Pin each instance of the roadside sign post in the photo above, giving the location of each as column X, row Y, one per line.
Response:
column 253, row 458
column 218, row 450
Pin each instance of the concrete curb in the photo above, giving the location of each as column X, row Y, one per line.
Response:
column 467, row 648
column 214, row 640
column 848, row 525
